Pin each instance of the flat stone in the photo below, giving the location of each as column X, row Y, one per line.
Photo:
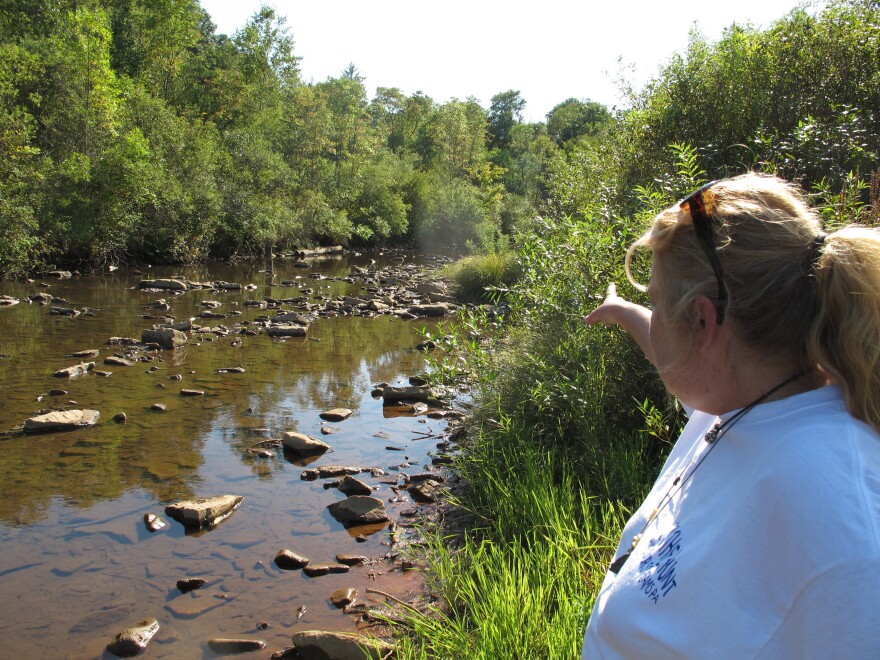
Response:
column 323, row 645
column 289, row 560
column 169, row 284
column 119, row 362
column 406, row 393
column 439, row 309
column 336, row 414
column 351, row 486
column 303, row 445
column 329, row 471
column 342, row 597
column 75, row 370
column 359, row 510
column 222, row 645
column 134, row 640
column 63, row 420
column 286, row 331
column 324, row 568
column 204, row 512
column 89, row 353
column 352, row 560
column 186, row 392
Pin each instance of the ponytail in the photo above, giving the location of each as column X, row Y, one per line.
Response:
column 845, row 337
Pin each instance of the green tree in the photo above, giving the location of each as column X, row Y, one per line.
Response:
column 504, row 113
column 574, row 118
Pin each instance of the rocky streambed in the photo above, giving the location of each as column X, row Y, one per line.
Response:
column 197, row 465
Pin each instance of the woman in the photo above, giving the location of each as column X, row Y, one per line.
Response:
column 761, row 536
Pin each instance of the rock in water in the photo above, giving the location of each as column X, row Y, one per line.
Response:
column 359, row 510
column 75, row 370
column 318, row 644
column 406, row 394
column 303, row 445
column 153, row 522
column 351, row 486
column 336, row 415
column 62, row 420
column 204, row 512
column 286, row 331
column 325, row 568
column 342, row 597
column 236, row 645
column 171, row 285
column 189, row 584
column 289, row 560
column 166, row 338
column 134, row 640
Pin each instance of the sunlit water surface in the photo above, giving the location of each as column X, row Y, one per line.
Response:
column 77, row 564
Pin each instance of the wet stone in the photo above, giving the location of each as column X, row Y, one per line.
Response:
column 426, row 491
column 352, row 560
column 342, row 597
column 289, row 560
column 359, row 510
column 153, row 522
column 328, row 472
column 64, row 420
column 75, row 370
column 158, row 406
column 191, row 584
column 204, row 512
column 134, row 640
column 223, row 645
column 303, row 445
column 186, row 392
column 339, row 646
column 119, row 362
column 324, row 568
column 165, row 338
column 336, row 414
column 82, row 355
column 351, row 486
column 120, row 418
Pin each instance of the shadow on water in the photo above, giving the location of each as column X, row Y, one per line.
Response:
column 79, row 565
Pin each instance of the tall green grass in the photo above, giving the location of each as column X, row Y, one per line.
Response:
column 481, row 278
column 522, row 582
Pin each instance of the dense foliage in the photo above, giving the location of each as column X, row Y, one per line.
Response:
column 133, row 131
column 570, row 422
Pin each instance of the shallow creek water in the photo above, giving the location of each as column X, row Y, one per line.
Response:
column 77, row 564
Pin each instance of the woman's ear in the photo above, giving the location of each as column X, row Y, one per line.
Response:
column 707, row 318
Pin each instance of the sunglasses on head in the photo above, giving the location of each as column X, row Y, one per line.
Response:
column 700, row 204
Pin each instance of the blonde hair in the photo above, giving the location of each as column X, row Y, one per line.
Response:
column 792, row 292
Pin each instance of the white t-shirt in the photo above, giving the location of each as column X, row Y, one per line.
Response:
column 771, row 549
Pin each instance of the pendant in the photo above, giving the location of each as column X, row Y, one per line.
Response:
column 712, row 435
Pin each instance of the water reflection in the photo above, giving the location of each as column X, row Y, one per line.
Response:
column 78, row 564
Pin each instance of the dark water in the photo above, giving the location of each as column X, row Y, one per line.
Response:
column 77, row 564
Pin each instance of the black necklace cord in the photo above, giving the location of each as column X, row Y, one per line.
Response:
column 712, row 437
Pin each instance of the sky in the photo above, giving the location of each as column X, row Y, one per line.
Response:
column 548, row 50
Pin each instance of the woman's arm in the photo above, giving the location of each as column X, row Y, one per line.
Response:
column 633, row 318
